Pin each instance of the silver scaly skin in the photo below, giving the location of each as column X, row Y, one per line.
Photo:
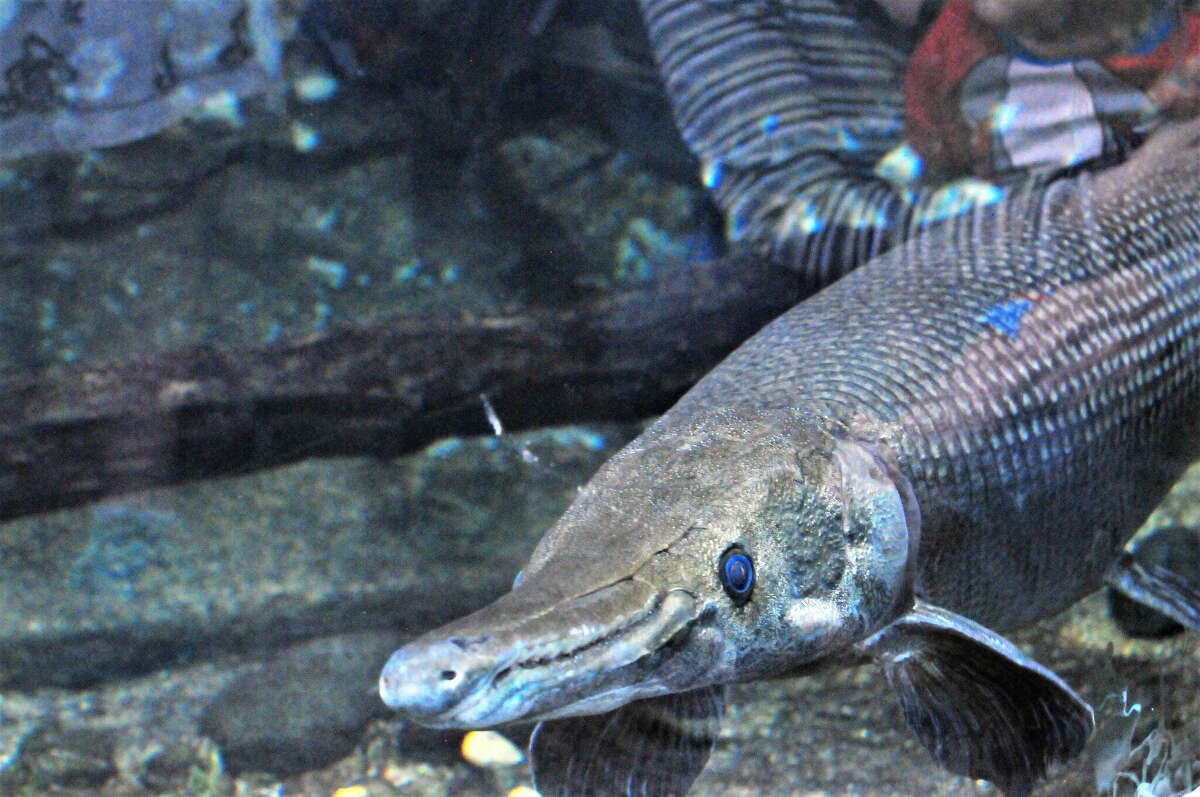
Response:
column 953, row 440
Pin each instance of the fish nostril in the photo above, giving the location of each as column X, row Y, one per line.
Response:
column 449, row 675
column 466, row 643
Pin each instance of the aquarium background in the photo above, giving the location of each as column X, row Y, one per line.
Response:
column 354, row 166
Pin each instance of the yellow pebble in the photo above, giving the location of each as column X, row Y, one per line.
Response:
column 523, row 791
column 490, row 749
column 351, row 791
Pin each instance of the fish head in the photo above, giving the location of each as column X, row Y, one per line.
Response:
column 726, row 548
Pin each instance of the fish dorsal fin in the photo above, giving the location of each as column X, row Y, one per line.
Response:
column 979, row 705
column 654, row 747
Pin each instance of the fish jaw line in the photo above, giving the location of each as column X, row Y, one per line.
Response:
column 548, row 676
column 532, row 688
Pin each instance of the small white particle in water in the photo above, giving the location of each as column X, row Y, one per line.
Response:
column 333, row 271
column 304, row 138
column 493, row 418
column 132, row 289
column 315, row 87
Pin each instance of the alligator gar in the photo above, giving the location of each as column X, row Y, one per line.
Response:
column 956, row 440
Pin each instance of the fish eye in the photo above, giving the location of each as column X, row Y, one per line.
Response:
column 736, row 572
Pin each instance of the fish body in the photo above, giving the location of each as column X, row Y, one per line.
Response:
column 955, row 440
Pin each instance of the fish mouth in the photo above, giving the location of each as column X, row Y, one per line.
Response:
column 581, row 656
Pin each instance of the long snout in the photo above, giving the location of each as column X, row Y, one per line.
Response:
column 525, row 658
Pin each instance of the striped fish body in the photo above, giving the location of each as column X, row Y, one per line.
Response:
column 789, row 104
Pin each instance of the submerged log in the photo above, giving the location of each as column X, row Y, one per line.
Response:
column 70, row 436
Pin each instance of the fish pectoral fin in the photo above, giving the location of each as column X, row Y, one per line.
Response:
column 979, row 705
column 649, row 747
column 1158, row 587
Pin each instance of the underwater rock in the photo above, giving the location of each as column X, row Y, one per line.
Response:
column 304, row 709
column 590, row 207
column 173, row 764
column 54, row 757
column 104, row 72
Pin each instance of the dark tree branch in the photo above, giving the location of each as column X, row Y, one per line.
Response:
column 69, row 437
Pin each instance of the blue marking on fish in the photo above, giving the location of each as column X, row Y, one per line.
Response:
column 1006, row 316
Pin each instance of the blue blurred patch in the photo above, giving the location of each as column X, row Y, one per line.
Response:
column 1006, row 316
column 123, row 545
column 444, row 448
column 571, row 436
